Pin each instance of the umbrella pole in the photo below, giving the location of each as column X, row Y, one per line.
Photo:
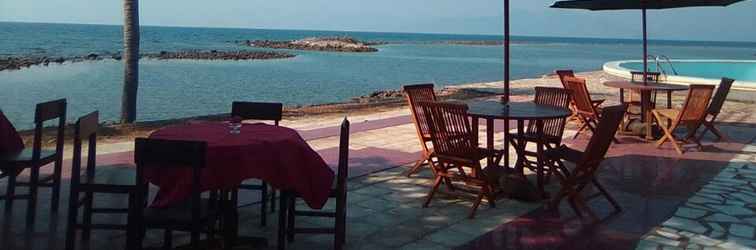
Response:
column 506, row 50
column 506, row 81
column 645, row 49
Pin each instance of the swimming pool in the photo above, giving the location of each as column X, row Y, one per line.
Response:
column 694, row 71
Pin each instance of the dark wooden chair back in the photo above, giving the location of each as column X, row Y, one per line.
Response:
column 415, row 94
column 265, row 111
column 85, row 131
column 580, row 95
column 450, row 128
column 637, row 76
column 562, row 73
column 45, row 112
column 343, row 168
column 720, row 96
column 600, row 141
column 158, row 153
column 557, row 97
column 696, row 104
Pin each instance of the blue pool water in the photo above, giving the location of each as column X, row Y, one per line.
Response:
column 173, row 89
column 710, row 69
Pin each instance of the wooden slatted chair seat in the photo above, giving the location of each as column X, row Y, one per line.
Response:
column 117, row 176
column 178, row 214
column 669, row 113
column 26, row 157
column 565, row 153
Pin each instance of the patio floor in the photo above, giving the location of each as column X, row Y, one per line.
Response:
column 699, row 199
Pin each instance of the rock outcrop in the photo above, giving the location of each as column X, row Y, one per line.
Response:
column 218, row 55
column 17, row 63
column 333, row 44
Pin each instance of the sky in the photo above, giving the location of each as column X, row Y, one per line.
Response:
column 528, row 17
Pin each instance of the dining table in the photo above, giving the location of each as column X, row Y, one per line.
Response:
column 275, row 154
column 645, row 89
column 521, row 112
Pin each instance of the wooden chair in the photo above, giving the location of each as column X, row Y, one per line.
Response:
column 338, row 191
column 36, row 158
column 86, row 130
column 715, row 107
column 637, row 76
column 265, row 112
column 586, row 164
column 197, row 215
column 456, row 150
column 569, row 73
column 634, row 101
column 415, row 94
column 691, row 116
column 588, row 114
column 553, row 129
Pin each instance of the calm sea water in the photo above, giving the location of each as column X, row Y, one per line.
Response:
column 172, row 89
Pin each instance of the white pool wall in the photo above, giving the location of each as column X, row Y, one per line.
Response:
column 614, row 68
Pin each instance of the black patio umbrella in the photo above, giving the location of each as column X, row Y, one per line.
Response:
column 639, row 5
column 506, row 52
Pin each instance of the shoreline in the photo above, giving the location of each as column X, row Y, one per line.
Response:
column 392, row 100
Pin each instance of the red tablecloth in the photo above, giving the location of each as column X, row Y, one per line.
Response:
column 277, row 155
column 10, row 141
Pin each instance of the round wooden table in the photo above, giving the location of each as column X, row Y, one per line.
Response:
column 645, row 90
column 519, row 111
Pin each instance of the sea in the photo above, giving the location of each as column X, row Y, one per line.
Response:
column 185, row 88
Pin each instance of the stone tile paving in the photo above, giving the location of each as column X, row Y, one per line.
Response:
column 721, row 215
column 385, row 212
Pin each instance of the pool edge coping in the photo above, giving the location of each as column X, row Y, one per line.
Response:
column 614, row 68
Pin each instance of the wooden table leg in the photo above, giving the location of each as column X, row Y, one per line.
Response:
column 646, row 112
column 520, row 163
column 623, row 126
column 490, row 139
column 283, row 208
column 539, row 160
column 506, row 142
column 475, row 130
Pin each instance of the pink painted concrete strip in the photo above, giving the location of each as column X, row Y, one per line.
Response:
column 355, row 127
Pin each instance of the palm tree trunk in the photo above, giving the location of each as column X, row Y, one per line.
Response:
column 131, row 60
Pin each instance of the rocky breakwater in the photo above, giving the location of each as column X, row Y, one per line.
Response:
column 218, row 55
column 17, row 63
column 333, row 44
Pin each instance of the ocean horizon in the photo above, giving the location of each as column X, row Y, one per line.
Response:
column 183, row 88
